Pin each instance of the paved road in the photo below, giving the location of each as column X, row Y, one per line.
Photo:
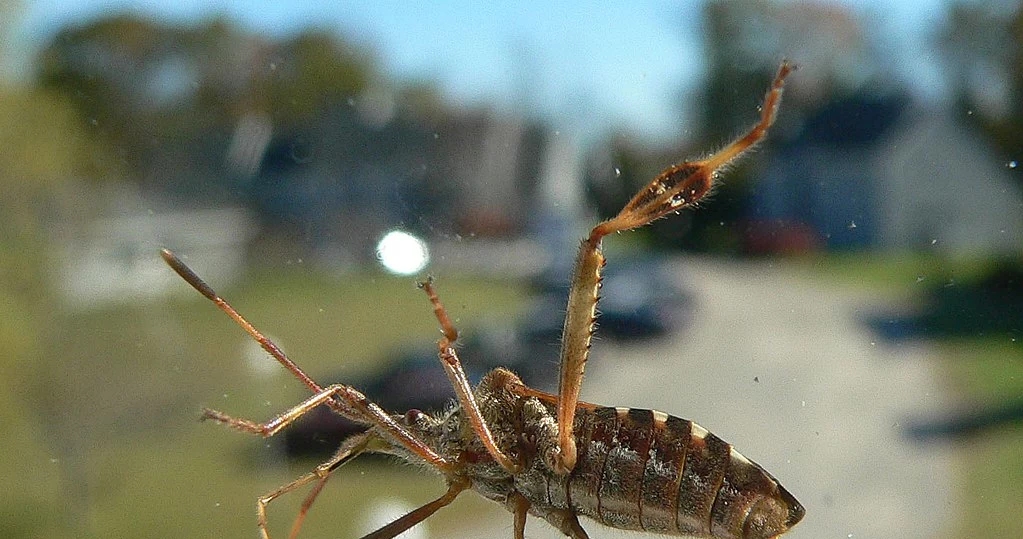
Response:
column 780, row 366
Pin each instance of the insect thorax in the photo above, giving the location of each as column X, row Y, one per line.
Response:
column 522, row 427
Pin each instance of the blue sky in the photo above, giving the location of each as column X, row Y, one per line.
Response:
column 587, row 64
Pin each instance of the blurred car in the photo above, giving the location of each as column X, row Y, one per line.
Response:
column 771, row 237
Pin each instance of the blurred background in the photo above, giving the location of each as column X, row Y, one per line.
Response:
column 846, row 310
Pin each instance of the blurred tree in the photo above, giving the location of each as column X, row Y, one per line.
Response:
column 744, row 42
column 309, row 73
column 743, row 45
column 742, row 50
column 121, row 73
column 172, row 95
column 983, row 46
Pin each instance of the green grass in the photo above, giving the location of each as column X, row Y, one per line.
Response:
column 30, row 502
column 988, row 371
column 102, row 438
column 902, row 274
column 992, row 477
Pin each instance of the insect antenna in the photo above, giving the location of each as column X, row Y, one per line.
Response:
column 197, row 283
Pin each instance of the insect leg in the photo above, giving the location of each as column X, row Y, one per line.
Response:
column 418, row 515
column 520, row 507
column 568, row 523
column 576, row 336
column 365, row 412
column 350, row 448
column 677, row 187
column 446, row 327
column 197, row 283
column 275, row 425
column 453, row 368
column 768, row 112
column 306, row 504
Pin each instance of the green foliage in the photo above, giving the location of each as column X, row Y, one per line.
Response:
column 310, row 72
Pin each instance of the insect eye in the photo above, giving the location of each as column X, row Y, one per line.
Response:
column 412, row 416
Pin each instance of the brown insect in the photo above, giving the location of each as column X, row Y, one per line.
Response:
column 553, row 456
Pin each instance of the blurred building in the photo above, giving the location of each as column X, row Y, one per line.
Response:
column 877, row 172
column 115, row 257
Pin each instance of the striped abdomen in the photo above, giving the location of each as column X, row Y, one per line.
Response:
column 645, row 470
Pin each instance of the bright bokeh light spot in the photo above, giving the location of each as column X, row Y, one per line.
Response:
column 402, row 253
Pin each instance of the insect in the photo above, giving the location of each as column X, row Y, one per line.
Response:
column 547, row 455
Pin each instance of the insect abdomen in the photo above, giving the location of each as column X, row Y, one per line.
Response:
column 645, row 470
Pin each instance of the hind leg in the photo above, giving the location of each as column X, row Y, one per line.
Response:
column 568, row 523
column 351, row 448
